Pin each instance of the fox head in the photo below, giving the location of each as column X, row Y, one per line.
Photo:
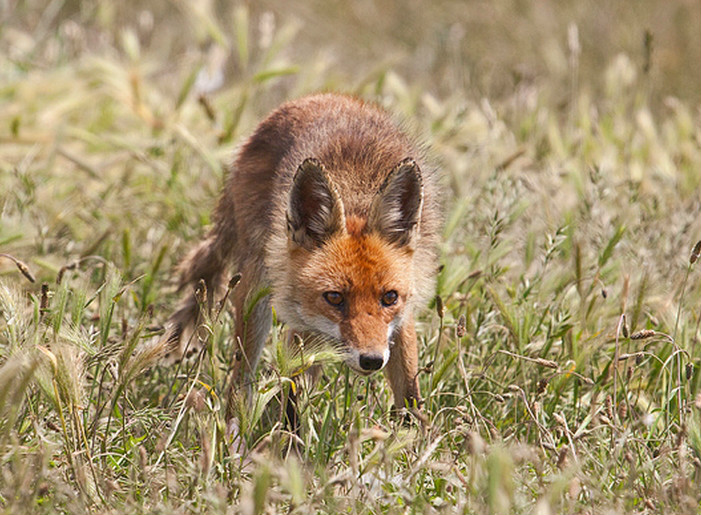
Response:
column 353, row 277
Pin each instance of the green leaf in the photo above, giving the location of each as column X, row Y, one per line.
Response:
column 266, row 75
column 608, row 251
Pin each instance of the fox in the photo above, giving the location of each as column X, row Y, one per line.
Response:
column 331, row 215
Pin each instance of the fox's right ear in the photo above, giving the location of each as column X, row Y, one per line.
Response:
column 315, row 210
column 396, row 210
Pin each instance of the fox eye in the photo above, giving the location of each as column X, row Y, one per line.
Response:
column 389, row 298
column 334, row 298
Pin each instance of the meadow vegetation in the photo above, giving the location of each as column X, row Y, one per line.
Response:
column 561, row 355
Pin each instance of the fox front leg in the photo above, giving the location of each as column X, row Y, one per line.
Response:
column 403, row 367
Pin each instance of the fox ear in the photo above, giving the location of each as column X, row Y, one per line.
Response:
column 396, row 209
column 315, row 211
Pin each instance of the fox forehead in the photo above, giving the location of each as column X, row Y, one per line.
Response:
column 360, row 263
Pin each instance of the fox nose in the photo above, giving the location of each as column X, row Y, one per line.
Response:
column 370, row 362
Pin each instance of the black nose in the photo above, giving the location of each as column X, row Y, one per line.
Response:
column 371, row 361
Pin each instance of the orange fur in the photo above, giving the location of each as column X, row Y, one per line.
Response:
column 363, row 267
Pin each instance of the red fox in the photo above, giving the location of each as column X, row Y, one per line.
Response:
column 330, row 215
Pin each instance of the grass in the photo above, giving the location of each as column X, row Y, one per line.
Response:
column 561, row 356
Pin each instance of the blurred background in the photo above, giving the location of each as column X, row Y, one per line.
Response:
column 482, row 48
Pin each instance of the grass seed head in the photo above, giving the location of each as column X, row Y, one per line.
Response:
column 622, row 410
column 25, row 271
column 234, row 281
column 21, row 266
column 461, row 329
column 608, row 405
column 695, row 253
column 641, row 335
column 44, row 303
column 548, row 363
column 542, row 385
column 440, row 308
column 201, row 292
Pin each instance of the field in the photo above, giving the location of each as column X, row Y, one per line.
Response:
column 561, row 355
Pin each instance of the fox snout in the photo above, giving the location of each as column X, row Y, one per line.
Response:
column 367, row 362
column 368, row 338
column 371, row 362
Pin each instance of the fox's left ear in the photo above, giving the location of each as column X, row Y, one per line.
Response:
column 396, row 210
column 315, row 210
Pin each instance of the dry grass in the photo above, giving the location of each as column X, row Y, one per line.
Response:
column 562, row 362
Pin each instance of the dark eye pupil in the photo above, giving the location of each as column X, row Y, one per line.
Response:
column 334, row 298
column 389, row 298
